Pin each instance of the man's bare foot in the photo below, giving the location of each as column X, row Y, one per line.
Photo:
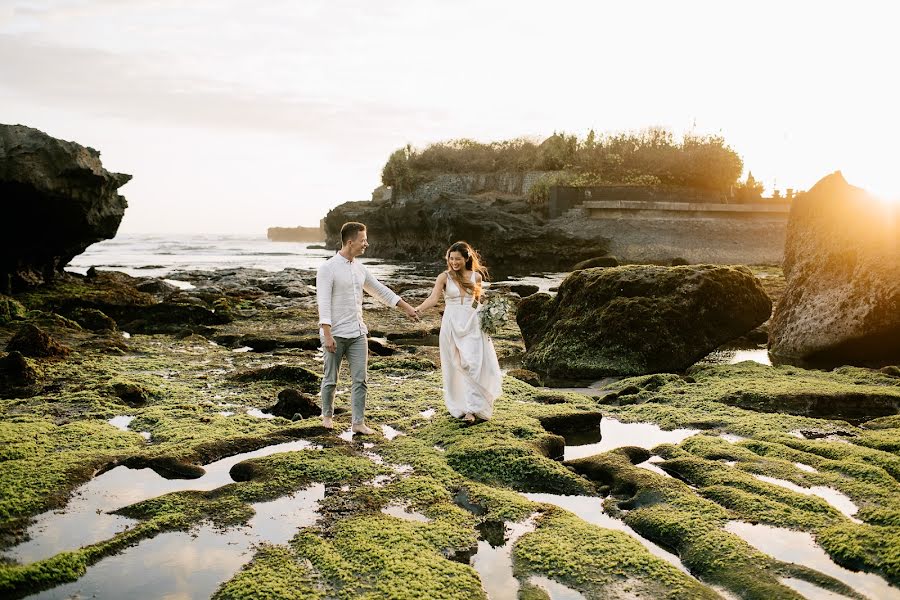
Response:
column 468, row 418
column 327, row 423
column 362, row 429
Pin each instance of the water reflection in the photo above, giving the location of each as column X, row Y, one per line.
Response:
column 192, row 565
column 85, row 519
column 732, row 356
column 838, row 500
column 810, row 591
column 799, row 547
column 590, row 509
column 121, row 422
column 494, row 563
column 555, row 590
column 389, row 432
column 402, row 511
column 615, row 434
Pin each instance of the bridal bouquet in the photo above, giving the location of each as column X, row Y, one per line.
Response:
column 494, row 313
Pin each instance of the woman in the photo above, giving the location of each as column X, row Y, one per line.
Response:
column 469, row 364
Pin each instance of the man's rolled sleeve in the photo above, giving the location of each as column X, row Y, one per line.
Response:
column 324, row 283
column 379, row 290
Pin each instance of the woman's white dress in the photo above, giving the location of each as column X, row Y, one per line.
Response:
column 472, row 378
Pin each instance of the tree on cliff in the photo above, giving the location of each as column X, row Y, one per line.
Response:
column 648, row 157
column 397, row 173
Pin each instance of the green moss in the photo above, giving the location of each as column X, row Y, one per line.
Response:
column 275, row 573
column 669, row 513
column 44, row 461
column 529, row 591
column 596, row 561
column 377, row 556
column 515, row 465
column 10, row 310
column 864, row 547
column 401, row 363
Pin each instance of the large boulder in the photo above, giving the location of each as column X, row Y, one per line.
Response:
column 507, row 233
column 57, row 199
column 841, row 303
column 638, row 319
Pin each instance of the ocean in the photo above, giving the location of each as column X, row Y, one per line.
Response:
column 159, row 255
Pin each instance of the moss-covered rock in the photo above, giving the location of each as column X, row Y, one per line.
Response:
column 529, row 377
column 638, row 319
column 17, row 374
column 31, row 340
column 10, row 310
column 93, row 319
column 308, row 380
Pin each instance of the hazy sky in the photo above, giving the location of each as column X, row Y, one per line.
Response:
column 234, row 116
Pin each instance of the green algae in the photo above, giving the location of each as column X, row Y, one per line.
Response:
column 377, row 556
column 669, row 513
column 455, row 467
column 592, row 560
column 275, row 573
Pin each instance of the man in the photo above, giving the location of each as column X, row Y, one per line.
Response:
column 339, row 293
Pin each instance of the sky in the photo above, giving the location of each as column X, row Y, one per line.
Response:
column 234, row 116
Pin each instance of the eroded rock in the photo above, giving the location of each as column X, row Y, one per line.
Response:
column 57, row 200
column 638, row 319
column 841, row 304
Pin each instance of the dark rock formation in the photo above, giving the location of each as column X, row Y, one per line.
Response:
column 57, row 200
column 18, row 378
column 306, row 379
column 93, row 319
column 156, row 287
column 841, row 304
column 34, row 341
column 295, row 234
column 508, row 235
column 524, row 289
column 638, row 319
column 597, row 261
column 294, row 404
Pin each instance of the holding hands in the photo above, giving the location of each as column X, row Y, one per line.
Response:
column 409, row 310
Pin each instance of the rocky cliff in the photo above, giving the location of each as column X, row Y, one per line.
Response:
column 509, row 235
column 56, row 200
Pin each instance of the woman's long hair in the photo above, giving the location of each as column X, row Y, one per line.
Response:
column 473, row 263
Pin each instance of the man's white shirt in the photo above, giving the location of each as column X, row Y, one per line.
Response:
column 339, row 294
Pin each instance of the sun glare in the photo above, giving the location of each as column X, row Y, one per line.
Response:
column 884, row 187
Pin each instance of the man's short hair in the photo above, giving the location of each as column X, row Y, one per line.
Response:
column 350, row 230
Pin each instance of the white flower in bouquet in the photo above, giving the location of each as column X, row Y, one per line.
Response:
column 494, row 313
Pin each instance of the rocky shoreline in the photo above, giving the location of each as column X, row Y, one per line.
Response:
column 159, row 439
column 256, row 339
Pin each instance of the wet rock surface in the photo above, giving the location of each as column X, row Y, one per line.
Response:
column 842, row 267
column 293, row 404
column 199, row 472
column 638, row 319
column 57, row 200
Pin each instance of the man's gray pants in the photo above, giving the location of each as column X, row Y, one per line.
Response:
column 357, row 352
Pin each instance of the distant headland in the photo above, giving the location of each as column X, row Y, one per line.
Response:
column 296, row 234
